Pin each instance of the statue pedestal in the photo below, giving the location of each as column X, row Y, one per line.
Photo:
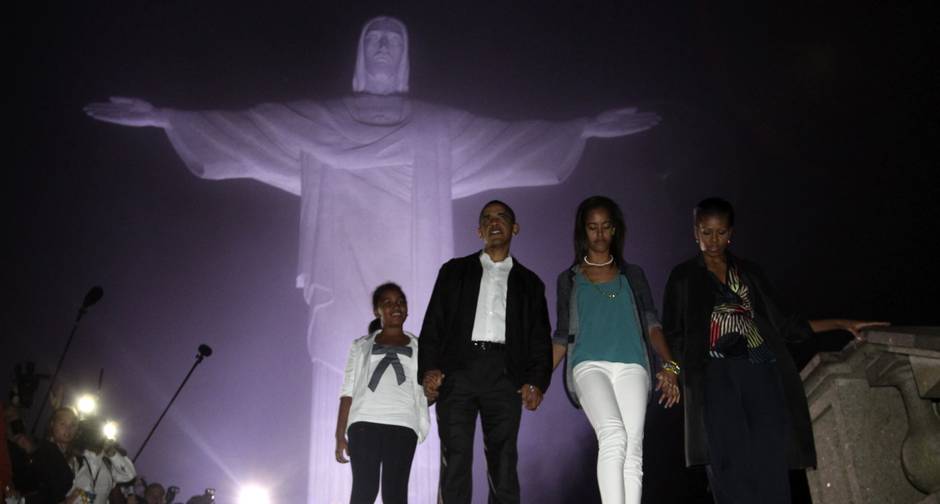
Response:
column 875, row 419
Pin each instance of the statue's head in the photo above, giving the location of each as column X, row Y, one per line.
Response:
column 382, row 58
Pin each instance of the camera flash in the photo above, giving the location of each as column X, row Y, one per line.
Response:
column 110, row 430
column 87, row 404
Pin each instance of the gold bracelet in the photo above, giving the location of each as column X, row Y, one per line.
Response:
column 672, row 367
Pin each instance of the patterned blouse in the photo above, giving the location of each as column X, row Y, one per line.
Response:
column 733, row 332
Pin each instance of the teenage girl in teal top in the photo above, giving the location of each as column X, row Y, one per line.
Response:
column 606, row 322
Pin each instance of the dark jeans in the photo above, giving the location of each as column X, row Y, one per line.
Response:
column 483, row 388
column 379, row 448
column 746, row 423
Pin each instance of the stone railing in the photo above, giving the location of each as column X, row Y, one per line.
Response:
column 876, row 420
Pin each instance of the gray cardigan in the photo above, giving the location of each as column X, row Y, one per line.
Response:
column 566, row 330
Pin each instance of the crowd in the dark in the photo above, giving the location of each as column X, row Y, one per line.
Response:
column 70, row 455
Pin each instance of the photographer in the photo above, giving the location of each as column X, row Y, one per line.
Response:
column 154, row 493
column 45, row 475
column 101, row 465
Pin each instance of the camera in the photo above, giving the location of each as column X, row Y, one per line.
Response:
column 208, row 497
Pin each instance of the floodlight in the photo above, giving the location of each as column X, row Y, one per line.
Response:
column 253, row 494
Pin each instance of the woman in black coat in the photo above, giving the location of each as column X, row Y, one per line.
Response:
column 746, row 415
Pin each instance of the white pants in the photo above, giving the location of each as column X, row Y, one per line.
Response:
column 614, row 397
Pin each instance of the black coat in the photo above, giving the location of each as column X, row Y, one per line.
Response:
column 47, row 477
column 448, row 322
column 687, row 308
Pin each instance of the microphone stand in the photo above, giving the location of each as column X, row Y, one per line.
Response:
column 204, row 351
column 91, row 298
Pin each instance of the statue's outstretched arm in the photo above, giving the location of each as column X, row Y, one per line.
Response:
column 620, row 122
column 128, row 112
column 494, row 154
column 214, row 144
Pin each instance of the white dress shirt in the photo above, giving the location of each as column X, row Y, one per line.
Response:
column 489, row 324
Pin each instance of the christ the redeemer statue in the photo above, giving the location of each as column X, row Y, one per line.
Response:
column 376, row 173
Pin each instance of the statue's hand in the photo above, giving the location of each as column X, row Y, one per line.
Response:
column 127, row 112
column 620, row 122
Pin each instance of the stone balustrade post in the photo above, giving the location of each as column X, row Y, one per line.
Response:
column 874, row 407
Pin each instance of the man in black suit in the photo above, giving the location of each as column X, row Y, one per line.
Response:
column 485, row 348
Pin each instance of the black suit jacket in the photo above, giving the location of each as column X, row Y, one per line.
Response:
column 47, row 477
column 687, row 308
column 448, row 322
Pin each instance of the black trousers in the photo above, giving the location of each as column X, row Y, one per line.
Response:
column 483, row 388
column 746, row 423
column 376, row 449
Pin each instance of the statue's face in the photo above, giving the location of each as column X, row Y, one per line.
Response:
column 384, row 46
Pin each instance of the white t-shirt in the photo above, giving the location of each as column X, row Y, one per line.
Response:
column 391, row 403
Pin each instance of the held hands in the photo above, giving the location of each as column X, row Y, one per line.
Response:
column 342, row 450
column 432, row 383
column 531, row 396
column 620, row 122
column 668, row 383
column 127, row 112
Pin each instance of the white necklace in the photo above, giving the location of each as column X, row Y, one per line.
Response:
column 589, row 263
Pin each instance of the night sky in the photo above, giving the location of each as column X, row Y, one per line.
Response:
column 814, row 121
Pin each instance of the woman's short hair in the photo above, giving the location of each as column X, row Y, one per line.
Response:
column 713, row 207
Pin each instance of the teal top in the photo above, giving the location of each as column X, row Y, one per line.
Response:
column 609, row 329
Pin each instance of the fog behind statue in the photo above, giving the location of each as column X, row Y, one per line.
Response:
column 377, row 173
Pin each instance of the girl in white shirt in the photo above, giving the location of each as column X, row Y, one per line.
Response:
column 383, row 413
